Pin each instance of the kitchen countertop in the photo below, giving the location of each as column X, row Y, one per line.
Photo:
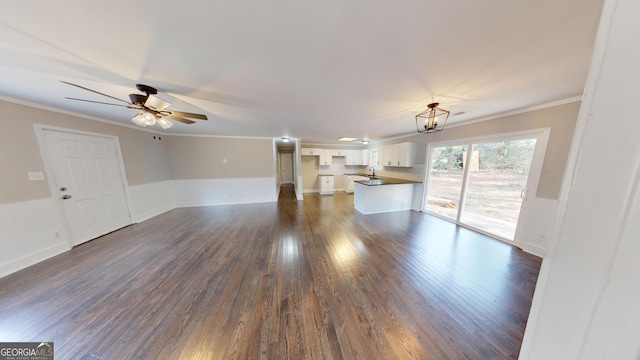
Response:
column 383, row 180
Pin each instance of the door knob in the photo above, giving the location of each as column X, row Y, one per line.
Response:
column 63, row 189
column 65, row 197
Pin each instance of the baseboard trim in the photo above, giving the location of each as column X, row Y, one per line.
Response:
column 32, row 259
column 534, row 250
column 152, row 213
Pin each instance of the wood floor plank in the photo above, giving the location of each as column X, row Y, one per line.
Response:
column 310, row 279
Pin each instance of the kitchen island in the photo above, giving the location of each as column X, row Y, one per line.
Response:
column 383, row 194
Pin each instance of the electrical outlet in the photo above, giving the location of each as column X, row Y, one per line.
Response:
column 56, row 234
column 35, row 175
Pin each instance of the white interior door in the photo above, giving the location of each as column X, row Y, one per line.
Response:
column 286, row 168
column 89, row 183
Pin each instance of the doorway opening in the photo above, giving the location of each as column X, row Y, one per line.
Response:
column 285, row 166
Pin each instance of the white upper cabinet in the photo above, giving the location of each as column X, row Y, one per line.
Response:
column 350, row 160
column 357, row 157
column 407, row 154
column 310, row 151
column 386, row 155
column 401, row 155
column 365, row 157
column 352, row 157
column 325, row 157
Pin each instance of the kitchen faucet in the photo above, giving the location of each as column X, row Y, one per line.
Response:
column 373, row 172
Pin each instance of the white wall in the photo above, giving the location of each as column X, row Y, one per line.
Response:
column 537, row 220
column 149, row 200
column 27, row 229
column 587, row 301
column 28, row 234
column 208, row 192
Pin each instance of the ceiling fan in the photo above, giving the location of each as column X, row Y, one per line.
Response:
column 152, row 109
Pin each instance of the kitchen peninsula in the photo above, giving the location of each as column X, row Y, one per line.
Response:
column 383, row 194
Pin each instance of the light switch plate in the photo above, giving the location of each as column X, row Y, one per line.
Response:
column 35, row 175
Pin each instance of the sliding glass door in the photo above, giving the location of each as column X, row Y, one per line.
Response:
column 482, row 184
column 445, row 181
column 497, row 178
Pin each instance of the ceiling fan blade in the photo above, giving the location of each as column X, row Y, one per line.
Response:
column 182, row 120
column 174, row 114
column 103, row 103
column 97, row 92
column 156, row 103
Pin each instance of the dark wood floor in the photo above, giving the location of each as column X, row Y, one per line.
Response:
column 310, row 279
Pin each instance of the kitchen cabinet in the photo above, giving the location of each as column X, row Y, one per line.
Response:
column 357, row 157
column 406, row 154
column 383, row 198
column 326, row 184
column 310, row 151
column 387, row 156
column 365, row 157
column 339, row 152
column 349, row 182
column 325, row 157
column 401, row 155
column 350, row 158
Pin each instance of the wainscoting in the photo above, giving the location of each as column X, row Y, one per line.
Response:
column 292, row 279
column 33, row 231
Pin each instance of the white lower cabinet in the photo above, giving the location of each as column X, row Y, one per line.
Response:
column 326, row 184
column 349, row 182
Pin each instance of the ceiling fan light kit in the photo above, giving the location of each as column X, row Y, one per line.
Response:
column 164, row 123
column 144, row 119
column 432, row 120
column 153, row 110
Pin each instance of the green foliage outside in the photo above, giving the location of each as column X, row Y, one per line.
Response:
column 502, row 155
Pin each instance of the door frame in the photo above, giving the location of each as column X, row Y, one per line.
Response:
column 48, row 170
column 542, row 136
column 280, row 154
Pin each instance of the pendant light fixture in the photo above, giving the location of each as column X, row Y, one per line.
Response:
column 431, row 120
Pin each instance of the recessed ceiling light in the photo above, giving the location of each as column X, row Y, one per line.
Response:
column 285, row 139
column 346, row 139
column 365, row 142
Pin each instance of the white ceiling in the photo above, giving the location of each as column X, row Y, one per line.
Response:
column 312, row 70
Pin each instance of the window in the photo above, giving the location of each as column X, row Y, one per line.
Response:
column 375, row 161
